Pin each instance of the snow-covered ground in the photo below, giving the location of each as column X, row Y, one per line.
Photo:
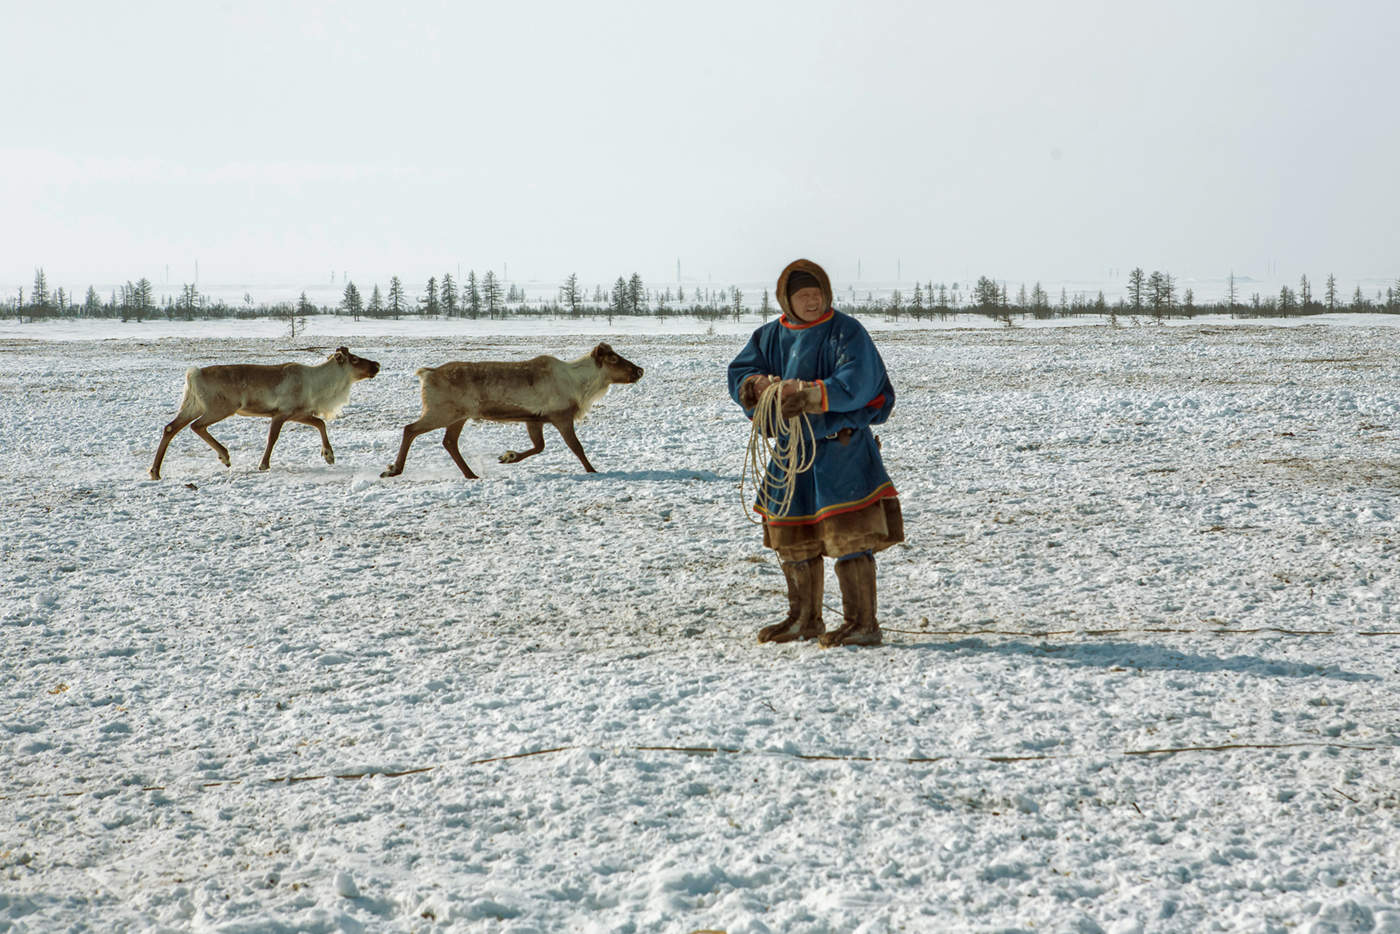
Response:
column 1140, row 673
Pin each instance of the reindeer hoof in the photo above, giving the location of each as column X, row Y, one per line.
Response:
column 328, row 456
column 510, row 457
column 264, row 466
column 155, row 474
column 391, row 472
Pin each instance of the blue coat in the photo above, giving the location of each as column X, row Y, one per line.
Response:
column 837, row 351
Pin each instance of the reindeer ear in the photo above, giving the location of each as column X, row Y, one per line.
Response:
column 342, row 354
column 602, row 350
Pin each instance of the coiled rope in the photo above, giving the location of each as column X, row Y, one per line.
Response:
column 779, row 449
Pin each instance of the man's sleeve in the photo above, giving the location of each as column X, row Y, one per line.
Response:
column 859, row 381
column 750, row 362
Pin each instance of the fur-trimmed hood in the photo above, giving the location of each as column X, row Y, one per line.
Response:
column 810, row 267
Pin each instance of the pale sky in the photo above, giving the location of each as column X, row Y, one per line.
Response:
column 278, row 142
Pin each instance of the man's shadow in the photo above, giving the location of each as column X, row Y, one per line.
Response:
column 1137, row 655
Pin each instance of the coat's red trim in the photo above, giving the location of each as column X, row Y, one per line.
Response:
column 883, row 491
column 802, row 327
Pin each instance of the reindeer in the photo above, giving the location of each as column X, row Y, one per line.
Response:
column 287, row 392
column 536, row 391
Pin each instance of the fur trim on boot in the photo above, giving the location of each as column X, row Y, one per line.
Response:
column 804, row 619
column 857, row 577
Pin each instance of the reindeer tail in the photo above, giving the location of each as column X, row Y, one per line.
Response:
column 190, row 403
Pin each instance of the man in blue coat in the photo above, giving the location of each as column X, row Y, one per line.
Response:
column 846, row 506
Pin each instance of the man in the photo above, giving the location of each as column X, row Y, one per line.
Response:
column 845, row 507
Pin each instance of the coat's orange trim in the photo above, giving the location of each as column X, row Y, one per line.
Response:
column 883, row 491
column 811, row 324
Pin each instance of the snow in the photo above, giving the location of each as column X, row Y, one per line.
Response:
column 316, row 700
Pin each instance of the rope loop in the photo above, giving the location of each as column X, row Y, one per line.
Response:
column 779, row 449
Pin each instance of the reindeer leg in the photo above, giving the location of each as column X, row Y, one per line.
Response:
column 410, row 431
column 565, row 426
column 449, row 441
column 536, row 430
column 326, row 453
column 273, row 431
column 171, row 431
column 200, row 426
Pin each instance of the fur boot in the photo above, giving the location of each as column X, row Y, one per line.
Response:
column 857, row 577
column 804, row 619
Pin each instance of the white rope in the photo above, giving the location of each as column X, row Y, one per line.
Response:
column 779, row 449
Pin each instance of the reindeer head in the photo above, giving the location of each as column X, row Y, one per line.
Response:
column 360, row 368
column 618, row 369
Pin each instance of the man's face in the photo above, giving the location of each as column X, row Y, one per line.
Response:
column 806, row 304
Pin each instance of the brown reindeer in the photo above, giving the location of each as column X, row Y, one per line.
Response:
column 536, row 391
column 287, row 392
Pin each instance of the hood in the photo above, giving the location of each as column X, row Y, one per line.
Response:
column 810, row 267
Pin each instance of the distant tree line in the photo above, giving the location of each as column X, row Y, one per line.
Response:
column 476, row 297
column 1155, row 295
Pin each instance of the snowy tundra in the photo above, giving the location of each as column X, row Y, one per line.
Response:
column 1141, row 667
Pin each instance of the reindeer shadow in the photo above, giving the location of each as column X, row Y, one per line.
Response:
column 659, row 476
column 1146, row 656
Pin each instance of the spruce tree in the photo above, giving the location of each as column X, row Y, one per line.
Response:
column 472, row 297
column 1160, row 293
column 636, row 295
column 429, row 302
column 618, row 301
column 985, row 294
column 189, row 300
column 398, row 304
column 570, row 293
column 143, row 298
column 350, row 303
column 1136, row 283
column 376, row 302
column 491, row 292
column 449, row 295
column 39, row 298
column 1331, row 293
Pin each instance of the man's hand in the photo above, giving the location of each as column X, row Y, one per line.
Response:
column 799, row 397
column 754, row 387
